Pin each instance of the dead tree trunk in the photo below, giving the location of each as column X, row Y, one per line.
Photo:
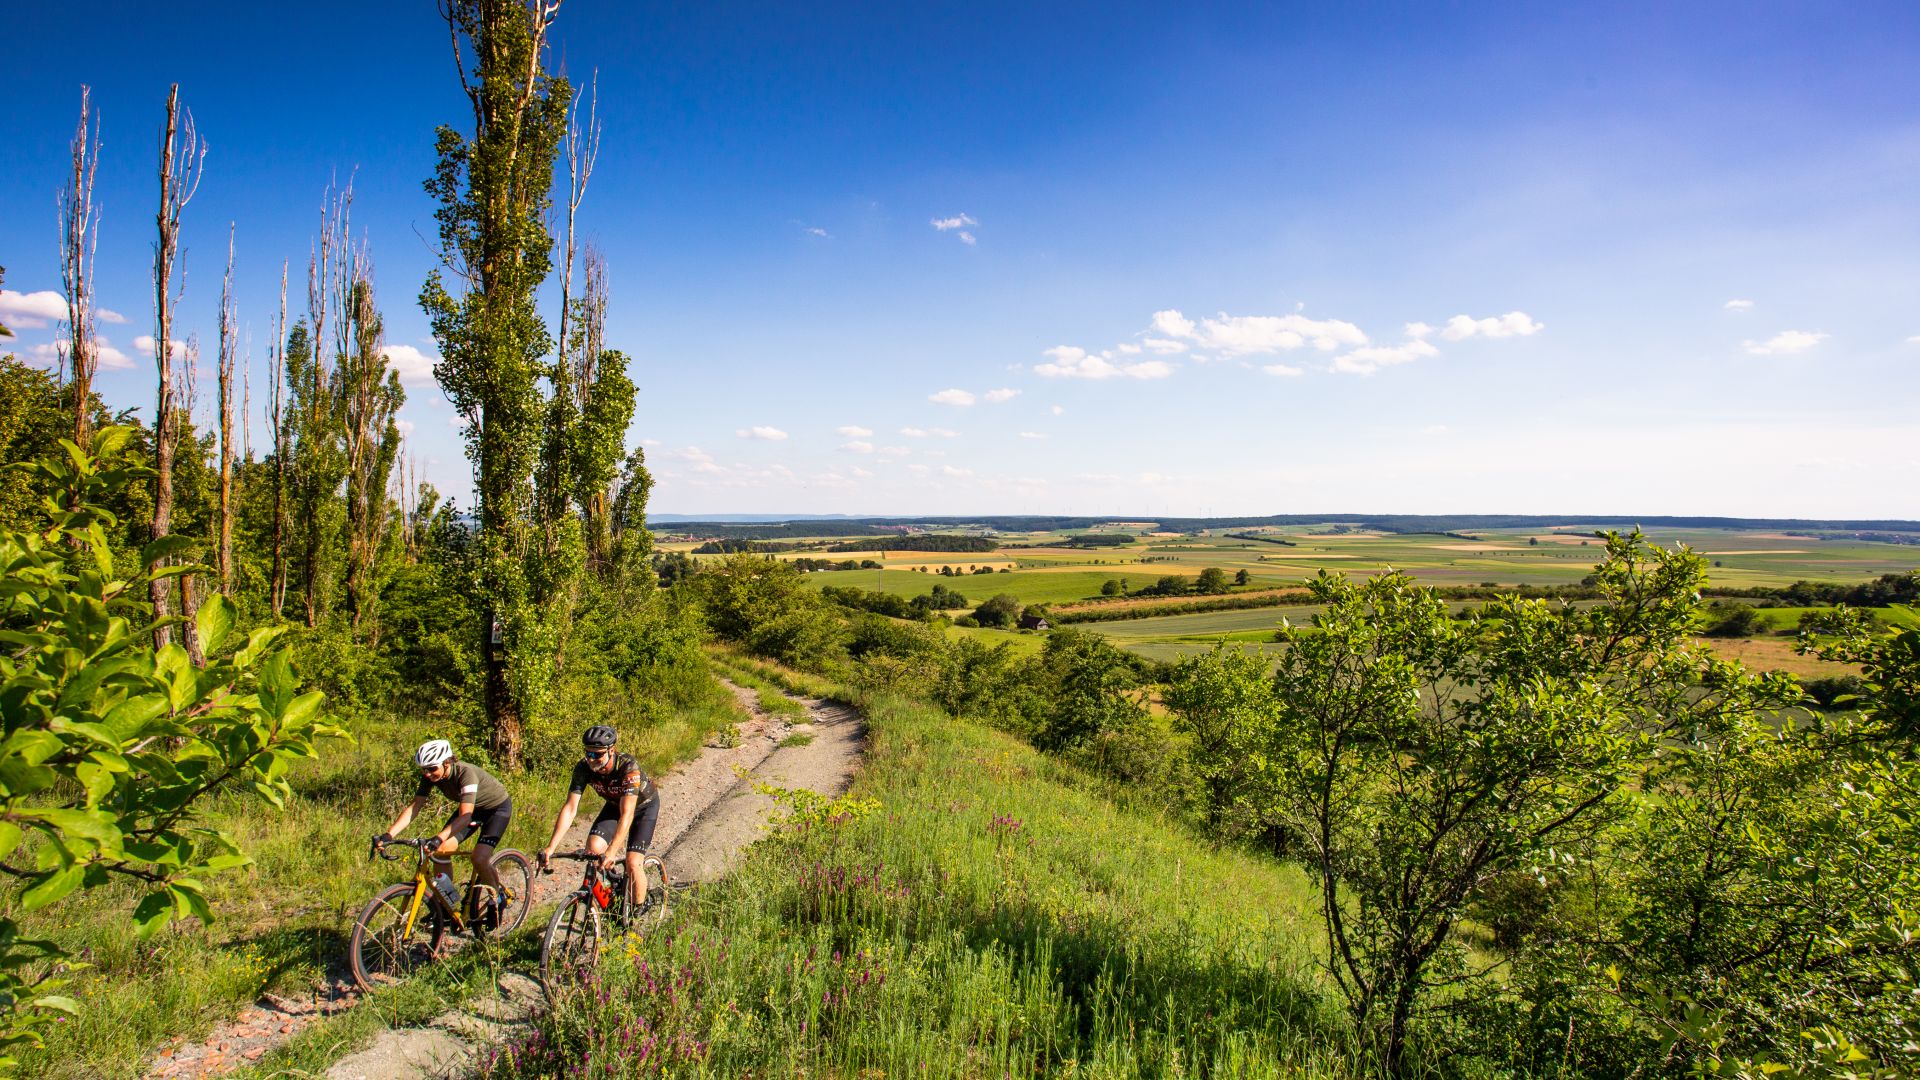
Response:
column 223, row 558
column 79, row 237
column 181, row 158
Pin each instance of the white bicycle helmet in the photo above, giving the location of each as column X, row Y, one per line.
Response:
column 432, row 752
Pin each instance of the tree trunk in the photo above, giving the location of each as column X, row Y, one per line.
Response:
column 174, row 173
column 500, row 703
column 80, row 237
column 223, row 558
column 278, row 589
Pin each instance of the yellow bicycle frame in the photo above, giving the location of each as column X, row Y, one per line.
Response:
column 423, row 888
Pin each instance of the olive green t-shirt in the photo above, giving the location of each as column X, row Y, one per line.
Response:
column 465, row 781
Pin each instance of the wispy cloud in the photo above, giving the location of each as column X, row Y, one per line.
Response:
column 1738, row 305
column 762, row 431
column 1366, row 361
column 1073, row 362
column 49, row 354
column 1512, row 324
column 1032, row 435
column 1785, row 342
column 952, row 396
column 929, row 433
column 853, row 431
column 107, row 316
column 858, row 446
column 955, row 473
column 960, row 225
column 1246, row 335
column 1056, row 409
column 1288, row 371
column 816, row 231
column 1002, row 394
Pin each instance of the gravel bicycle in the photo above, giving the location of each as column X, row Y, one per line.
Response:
column 585, row 921
column 406, row 925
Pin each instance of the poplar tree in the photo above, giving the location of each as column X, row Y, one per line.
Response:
column 494, row 187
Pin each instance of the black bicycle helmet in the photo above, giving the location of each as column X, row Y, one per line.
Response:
column 599, row 737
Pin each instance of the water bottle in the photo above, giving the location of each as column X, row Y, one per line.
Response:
column 443, row 883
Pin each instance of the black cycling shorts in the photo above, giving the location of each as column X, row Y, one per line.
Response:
column 492, row 824
column 645, row 817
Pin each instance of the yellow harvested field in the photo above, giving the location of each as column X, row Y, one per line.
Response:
column 1471, row 547
column 1760, row 551
column 1776, row 654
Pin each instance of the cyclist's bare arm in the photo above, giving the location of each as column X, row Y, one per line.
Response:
column 560, row 823
column 407, row 813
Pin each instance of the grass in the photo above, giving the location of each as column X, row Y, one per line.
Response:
column 974, row 909
column 281, row 922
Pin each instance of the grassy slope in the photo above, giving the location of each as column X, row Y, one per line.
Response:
column 282, row 923
column 995, row 915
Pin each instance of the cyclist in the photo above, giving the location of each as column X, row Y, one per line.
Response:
column 481, row 804
column 631, row 809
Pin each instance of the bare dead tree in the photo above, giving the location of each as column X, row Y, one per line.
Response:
column 187, row 404
column 229, row 346
column 182, row 162
column 323, row 270
column 277, row 362
column 582, row 146
column 79, row 238
column 592, row 330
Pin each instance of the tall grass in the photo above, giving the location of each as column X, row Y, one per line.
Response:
column 973, row 909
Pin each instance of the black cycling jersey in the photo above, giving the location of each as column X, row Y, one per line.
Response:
column 626, row 777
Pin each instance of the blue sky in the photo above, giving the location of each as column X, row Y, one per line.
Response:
column 1463, row 258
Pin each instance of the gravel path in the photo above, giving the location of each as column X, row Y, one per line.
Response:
column 708, row 815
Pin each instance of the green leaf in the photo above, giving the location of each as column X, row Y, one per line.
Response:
column 52, row 888
column 165, row 548
column 152, row 913
column 57, row 1003
column 215, row 621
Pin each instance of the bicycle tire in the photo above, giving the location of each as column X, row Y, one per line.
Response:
column 572, row 941
column 376, row 951
column 653, row 902
column 516, row 876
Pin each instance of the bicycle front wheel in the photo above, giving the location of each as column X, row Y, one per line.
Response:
column 571, row 948
column 516, row 881
column 383, row 949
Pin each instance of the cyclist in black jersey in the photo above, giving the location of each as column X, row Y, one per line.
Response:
column 630, row 811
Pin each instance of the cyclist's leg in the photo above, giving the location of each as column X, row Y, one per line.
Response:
column 492, row 826
column 600, row 833
column 639, row 838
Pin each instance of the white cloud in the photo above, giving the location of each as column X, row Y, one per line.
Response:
column 952, row 396
column 403, row 425
column 763, row 432
column 107, row 316
column 145, row 344
column 1032, row 435
column 1172, row 324
column 1738, row 305
column 1002, row 394
column 1512, row 324
column 1914, row 340
column 895, row 451
column 1241, row 335
column 1284, row 370
column 1163, row 346
column 1374, row 357
column 857, row 447
column 967, row 238
column 853, row 431
column 864, row 474
column 1057, row 409
column 919, row 470
column 31, row 311
column 815, row 230
column 1418, row 330
column 949, row 470
column 1785, row 342
column 1434, row 429
column 958, row 221
column 1073, row 362
column 415, row 367
column 914, row 432
column 50, row 354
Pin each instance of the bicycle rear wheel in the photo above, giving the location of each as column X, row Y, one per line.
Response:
column 516, row 878
column 653, row 901
column 382, row 949
column 571, row 947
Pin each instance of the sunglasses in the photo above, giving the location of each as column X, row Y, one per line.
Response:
column 596, row 755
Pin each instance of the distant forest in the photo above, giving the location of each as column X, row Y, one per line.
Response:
column 1391, row 523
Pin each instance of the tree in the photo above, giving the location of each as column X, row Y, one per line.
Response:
column 494, row 189
column 79, row 239
column 1212, row 580
column 182, row 157
column 1222, row 698
column 1416, row 757
column 1110, row 587
column 113, row 744
column 1242, row 577
column 1001, row 611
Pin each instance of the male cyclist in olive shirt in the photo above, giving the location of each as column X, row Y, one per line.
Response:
column 481, row 804
column 630, row 811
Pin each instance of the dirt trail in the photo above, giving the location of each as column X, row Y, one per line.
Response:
column 708, row 816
